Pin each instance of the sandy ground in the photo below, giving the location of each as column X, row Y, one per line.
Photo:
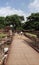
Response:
column 21, row 53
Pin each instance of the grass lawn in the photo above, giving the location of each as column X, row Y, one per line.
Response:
column 32, row 35
column 2, row 35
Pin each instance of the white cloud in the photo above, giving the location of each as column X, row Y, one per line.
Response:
column 4, row 11
column 34, row 6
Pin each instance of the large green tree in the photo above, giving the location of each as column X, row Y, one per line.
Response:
column 32, row 22
column 14, row 20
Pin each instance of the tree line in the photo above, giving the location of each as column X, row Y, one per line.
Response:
column 32, row 22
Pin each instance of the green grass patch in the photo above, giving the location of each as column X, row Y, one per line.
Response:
column 2, row 35
column 31, row 35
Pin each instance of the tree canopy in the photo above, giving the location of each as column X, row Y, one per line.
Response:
column 15, row 20
column 2, row 22
column 32, row 22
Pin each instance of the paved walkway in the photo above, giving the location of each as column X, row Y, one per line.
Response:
column 21, row 53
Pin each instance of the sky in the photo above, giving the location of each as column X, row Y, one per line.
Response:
column 20, row 7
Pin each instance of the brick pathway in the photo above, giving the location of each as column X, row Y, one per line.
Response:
column 21, row 53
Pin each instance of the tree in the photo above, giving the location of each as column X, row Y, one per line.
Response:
column 32, row 22
column 15, row 20
column 2, row 22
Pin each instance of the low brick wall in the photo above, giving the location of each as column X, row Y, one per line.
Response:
column 35, row 41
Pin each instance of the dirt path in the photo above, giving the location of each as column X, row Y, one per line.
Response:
column 21, row 53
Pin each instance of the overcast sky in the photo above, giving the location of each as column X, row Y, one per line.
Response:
column 20, row 7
